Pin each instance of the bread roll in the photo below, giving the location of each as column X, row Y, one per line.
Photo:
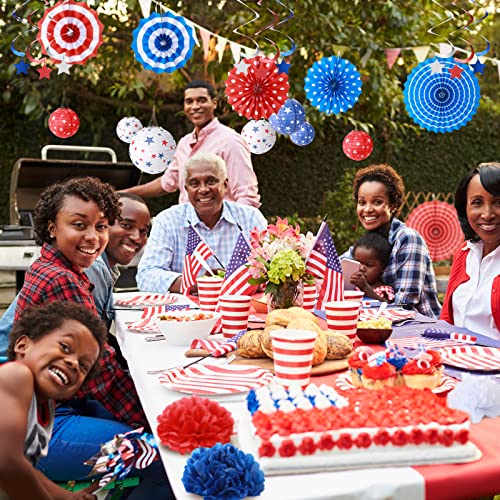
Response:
column 299, row 312
column 249, row 345
column 338, row 346
column 320, row 349
column 279, row 317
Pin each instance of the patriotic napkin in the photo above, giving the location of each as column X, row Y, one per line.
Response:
column 416, row 342
column 155, row 299
column 151, row 312
column 217, row 348
column 147, row 325
column 393, row 314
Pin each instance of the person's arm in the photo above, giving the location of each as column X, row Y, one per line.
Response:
column 157, row 271
column 148, row 190
column 243, row 184
column 359, row 280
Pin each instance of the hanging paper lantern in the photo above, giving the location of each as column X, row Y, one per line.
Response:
column 277, row 125
column 127, row 127
column 333, row 85
column 303, row 136
column 255, row 88
column 357, row 145
column 289, row 118
column 64, row 123
column 259, row 135
column 152, row 149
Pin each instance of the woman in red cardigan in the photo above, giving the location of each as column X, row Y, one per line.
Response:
column 473, row 295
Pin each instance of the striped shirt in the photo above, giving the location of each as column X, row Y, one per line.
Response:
column 163, row 257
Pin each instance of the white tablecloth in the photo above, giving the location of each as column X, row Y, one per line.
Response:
column 398, row 483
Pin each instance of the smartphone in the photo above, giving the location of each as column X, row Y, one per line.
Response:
column 349, row 267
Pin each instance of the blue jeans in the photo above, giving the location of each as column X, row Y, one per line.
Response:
column 6, row 323
column 78, row 434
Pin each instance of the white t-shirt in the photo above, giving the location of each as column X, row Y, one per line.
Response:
column 472, row 299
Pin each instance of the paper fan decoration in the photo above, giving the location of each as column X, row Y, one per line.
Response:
column 289, row 118
column 437, row 222
column 303, row 136
column 152, row 149
column 163, row 43
column 441, row 95
column 70, row 32
column 259, row 135
column 127, row 127
column 357, row 145
column 333, row 85
column 256, row 89
column 64, row 123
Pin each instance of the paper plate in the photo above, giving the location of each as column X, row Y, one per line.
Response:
column 206, row 380
column 344, row 383
column 155, row 299
column 472, row 357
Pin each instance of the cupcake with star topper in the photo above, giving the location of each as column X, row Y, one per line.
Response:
column 420, row 372
column 396, row 357
column 357, row 362
column 378, row 373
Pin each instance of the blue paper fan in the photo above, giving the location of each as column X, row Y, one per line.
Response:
column 333, row 85
column 436, row 100
column 163, row 43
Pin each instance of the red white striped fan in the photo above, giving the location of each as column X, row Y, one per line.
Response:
column 70, row 32
column 438, row 224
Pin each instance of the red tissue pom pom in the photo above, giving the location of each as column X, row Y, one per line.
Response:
column 194, row 422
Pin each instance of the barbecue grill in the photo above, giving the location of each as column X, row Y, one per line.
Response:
column 29, row 177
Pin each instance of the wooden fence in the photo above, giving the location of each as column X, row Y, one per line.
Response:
column 414, row 199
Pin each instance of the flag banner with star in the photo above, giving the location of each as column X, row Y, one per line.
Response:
column 237, row 275
column 323, row 263
column 197, row 252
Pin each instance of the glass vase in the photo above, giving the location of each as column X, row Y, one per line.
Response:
column 289, row 294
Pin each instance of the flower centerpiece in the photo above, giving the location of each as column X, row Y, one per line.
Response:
column 278, row 259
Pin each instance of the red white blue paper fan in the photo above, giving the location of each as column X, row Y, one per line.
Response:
column 357, row 145
column 70, row 32
column 163, row 42
column 127, row 127
column 289, row 118
column 333, row 85
column 441, row 95
column 304, row 136
column 152, row 149
column 259, row 135
column 64, row 123
column 255, row 88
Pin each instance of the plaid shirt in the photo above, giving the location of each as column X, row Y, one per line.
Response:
column 163, row 257
column 409, row 270
column 53, row 277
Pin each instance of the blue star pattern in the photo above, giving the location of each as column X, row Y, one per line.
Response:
column 333, row 85
column 289, row 118
column 152, row 149
column 259, row 135
column 304, row 136
column 127, row 127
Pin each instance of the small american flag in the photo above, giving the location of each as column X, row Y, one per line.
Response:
column 196, row 252
column 324, row 263
column 237, row 275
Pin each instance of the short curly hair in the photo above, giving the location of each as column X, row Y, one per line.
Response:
column 489, row 176
column 86, row 188
column 376, row 242
column 38, row 321
column 386, row 175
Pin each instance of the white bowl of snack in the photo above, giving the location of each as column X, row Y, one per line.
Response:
column 182, row 327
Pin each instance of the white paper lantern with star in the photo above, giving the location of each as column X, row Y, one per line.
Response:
column 259, row 135
column 127, row 127
column 152, row 149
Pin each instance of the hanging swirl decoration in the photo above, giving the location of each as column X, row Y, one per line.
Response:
column 248, row 37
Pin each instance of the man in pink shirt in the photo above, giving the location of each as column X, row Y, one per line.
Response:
column 208, row 136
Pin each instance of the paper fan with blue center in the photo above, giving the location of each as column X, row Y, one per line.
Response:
column 441, row 95
column 333, row 85
column 163, row 42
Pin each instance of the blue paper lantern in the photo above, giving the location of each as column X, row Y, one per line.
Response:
column 289, row 118
column 303, row 136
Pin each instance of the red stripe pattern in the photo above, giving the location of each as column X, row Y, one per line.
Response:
column 472, row 357
column 156, row 299
column 151, row 312
column 392, row 314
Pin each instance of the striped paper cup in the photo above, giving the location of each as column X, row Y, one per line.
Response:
column 342, row 316
column 293, row 353
column 354, row 295
column 208, row 291
column 234, row 310
column 309, row 297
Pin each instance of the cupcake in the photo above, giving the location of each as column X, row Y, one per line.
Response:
column 357, row 362
column 437, row 362
column 378, row 373
column 420, row 373
column 396, row 357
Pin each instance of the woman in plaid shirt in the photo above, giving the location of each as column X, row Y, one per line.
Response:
column 71, row 225
column 379, row 194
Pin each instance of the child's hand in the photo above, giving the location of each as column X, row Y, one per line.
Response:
column 87, row 493
column 358, row 279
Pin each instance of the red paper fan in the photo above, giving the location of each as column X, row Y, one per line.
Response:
column 438, row 224
column 256, row 89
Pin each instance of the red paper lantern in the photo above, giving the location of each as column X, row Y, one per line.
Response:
column 64, row 123
column 357, row 145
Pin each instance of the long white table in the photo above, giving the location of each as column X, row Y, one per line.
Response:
column 366, row 484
